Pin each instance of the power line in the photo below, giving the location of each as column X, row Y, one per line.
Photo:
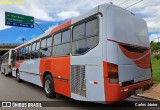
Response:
column 134, row 4
column 124, row 1
column 128, row 3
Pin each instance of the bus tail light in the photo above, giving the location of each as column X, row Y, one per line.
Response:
column 113, row 73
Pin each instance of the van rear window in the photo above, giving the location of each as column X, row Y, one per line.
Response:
column 132, row 48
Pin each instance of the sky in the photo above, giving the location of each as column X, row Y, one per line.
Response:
column 51, row 13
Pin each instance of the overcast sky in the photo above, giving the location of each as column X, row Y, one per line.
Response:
column 50, row 13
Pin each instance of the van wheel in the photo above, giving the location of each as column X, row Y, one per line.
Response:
column 4, row 71
column 18, row 76
column 6, row 74
column 48, row 87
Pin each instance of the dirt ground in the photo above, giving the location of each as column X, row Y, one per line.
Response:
column 153, row 93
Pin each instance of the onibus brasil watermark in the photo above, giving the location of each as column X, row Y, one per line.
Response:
column 21, row 104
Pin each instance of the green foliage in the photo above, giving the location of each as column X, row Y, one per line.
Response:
column 156, row 69
column 156, row 56
column 155, row 46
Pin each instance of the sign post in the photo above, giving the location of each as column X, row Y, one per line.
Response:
column 19, row 20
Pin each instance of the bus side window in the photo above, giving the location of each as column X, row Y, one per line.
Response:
column 35, row 50
column 24, row 51
column 63, row 49
column 90, row 40
column 21, row 55
column 27, row 54
column 17, row 55
column 79, row 31
column 45, row 48
column 57, row 38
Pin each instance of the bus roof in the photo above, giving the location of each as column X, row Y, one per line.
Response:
column 66, row 24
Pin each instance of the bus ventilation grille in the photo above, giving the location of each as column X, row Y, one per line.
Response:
column 78, row 82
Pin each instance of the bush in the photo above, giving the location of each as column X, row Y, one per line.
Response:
column 157, row 56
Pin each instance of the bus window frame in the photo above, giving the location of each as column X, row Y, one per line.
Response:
column 46, row 37
column 98, row 33
column 61, row 31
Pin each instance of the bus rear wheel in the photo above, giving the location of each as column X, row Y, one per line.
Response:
column 18, row 76
column 6, row 74
column 48, row 86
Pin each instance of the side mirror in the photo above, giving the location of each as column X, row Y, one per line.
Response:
column 44, row 49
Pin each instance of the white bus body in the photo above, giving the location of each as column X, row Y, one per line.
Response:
column 6, row 65
column 109, row 59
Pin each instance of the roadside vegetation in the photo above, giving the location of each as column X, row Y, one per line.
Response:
column 156, row 69
column 155, row 51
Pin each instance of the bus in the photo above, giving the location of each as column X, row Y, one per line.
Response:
column 6, row 63
column 101, row 56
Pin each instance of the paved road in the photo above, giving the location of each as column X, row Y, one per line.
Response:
column 11, row 90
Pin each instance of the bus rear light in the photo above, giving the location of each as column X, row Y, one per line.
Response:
column 112, row 68
column 113, row 81
column 113, row 73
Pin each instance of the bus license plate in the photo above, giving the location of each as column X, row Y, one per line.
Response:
column 139, row 90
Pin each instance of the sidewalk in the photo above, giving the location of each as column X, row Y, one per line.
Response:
column 153, row 93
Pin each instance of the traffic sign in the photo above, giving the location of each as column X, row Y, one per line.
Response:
column 13, row 19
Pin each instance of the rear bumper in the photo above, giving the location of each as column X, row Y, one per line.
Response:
column 114, row 92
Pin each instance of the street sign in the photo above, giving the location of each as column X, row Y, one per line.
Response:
column 13, row 19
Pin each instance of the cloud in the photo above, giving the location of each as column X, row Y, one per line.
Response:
column 51, row 27
column 20, row 38
column 2, row 21
column 33, row 36
column 68, row 14
column 49, row 11
column 155, row 37
column 152, row 10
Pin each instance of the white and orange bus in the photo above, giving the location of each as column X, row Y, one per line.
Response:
column 100, row 56
column 7, row 62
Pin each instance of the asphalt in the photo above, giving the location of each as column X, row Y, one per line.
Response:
column 11, row 90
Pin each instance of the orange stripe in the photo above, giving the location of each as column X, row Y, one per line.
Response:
column 17, row 64
column 59, row 66
column 144, row 62
column 62, row 26
column 131, row 55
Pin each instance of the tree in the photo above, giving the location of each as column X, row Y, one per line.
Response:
column 155, row 46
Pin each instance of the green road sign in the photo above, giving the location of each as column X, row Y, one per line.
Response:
column 13, row 19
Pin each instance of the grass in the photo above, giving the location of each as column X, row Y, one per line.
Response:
column 156, row 70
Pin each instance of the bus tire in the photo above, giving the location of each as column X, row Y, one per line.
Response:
column 6, row 74
column 18, row 76
column 48, row 86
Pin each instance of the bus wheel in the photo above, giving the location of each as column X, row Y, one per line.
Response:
column 6, row 74
column 18, row 76
column 49, row 87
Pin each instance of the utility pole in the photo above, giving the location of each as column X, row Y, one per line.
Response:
column 39, row 27
column 157, row 37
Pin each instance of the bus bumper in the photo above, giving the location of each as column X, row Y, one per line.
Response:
column 115, row 93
